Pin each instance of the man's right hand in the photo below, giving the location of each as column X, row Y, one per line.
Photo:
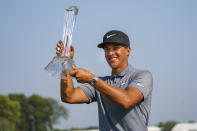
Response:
column 60, row 47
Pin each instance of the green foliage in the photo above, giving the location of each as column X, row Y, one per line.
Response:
column 34, row 113
column 5, row 125
column 79, row 129
column 93, row 127
column 167, row 126
column 9, row 113
column 45, row 111
column 25, row 124
column 191, row 121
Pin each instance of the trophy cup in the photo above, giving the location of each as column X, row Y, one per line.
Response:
column 60, row 65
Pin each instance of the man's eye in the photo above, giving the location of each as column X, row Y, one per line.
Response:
column 106, row 49
column 116, row 47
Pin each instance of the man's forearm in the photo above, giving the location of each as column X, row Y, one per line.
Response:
column 67, row 88
column 124, row 98
column 71, row 95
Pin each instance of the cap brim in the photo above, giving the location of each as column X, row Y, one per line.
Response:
column 101, row 45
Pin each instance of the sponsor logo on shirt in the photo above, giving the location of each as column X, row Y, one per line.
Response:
column 139, row 84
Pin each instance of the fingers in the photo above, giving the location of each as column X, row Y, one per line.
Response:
column 72, row 48
column 59, row 48
column 71, row 51
column 81, row 75
column 68, row 77
column 74, row 67
column 73, row 73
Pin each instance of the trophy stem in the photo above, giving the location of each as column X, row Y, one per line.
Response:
column 70, row 16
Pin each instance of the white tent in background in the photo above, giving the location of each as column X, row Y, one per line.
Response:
column 185, row 127
column 153, row 128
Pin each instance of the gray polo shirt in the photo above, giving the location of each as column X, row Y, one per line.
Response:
column 113, row 117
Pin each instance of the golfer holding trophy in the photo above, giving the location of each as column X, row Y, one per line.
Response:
column 123, row 97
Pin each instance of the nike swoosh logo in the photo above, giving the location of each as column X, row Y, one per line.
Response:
column 122, row 84
column 108, row 36
column 139, row 84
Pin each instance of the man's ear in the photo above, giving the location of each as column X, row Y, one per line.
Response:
column 128, row 50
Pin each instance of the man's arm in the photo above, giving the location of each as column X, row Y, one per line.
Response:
column 125, row 98
column 71, row 95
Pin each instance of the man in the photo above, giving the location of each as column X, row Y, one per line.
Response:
column 123, row 98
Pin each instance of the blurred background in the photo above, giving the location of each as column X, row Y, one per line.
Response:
column 163, row 37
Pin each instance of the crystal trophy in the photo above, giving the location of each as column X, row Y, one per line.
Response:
column 60, row 65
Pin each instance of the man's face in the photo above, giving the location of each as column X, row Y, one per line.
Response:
column 116, row 55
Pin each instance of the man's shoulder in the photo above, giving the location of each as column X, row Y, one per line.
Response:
column 141, row 73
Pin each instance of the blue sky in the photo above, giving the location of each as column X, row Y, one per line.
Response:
column 163, row 35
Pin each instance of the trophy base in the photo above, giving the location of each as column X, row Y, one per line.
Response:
column 59, row 66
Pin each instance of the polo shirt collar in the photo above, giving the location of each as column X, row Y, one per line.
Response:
column 124, row 72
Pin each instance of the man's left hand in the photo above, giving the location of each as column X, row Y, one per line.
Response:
column 82, row 75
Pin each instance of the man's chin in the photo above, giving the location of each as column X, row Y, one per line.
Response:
column 113, row 66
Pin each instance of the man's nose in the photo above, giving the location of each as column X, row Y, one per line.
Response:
column 110, row 51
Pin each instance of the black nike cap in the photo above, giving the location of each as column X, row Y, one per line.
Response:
column 115, row 37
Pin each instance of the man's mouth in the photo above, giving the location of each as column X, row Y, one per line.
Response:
column 112, row 59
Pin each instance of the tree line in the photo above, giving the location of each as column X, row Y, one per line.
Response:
column 33, row 113
column 36, row 113
column 168, row 125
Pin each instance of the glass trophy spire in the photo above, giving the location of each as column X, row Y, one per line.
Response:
column 70, row 18
column 62, row 64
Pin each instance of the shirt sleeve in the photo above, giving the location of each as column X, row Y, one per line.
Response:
column 89, row 91
column 143, row 81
